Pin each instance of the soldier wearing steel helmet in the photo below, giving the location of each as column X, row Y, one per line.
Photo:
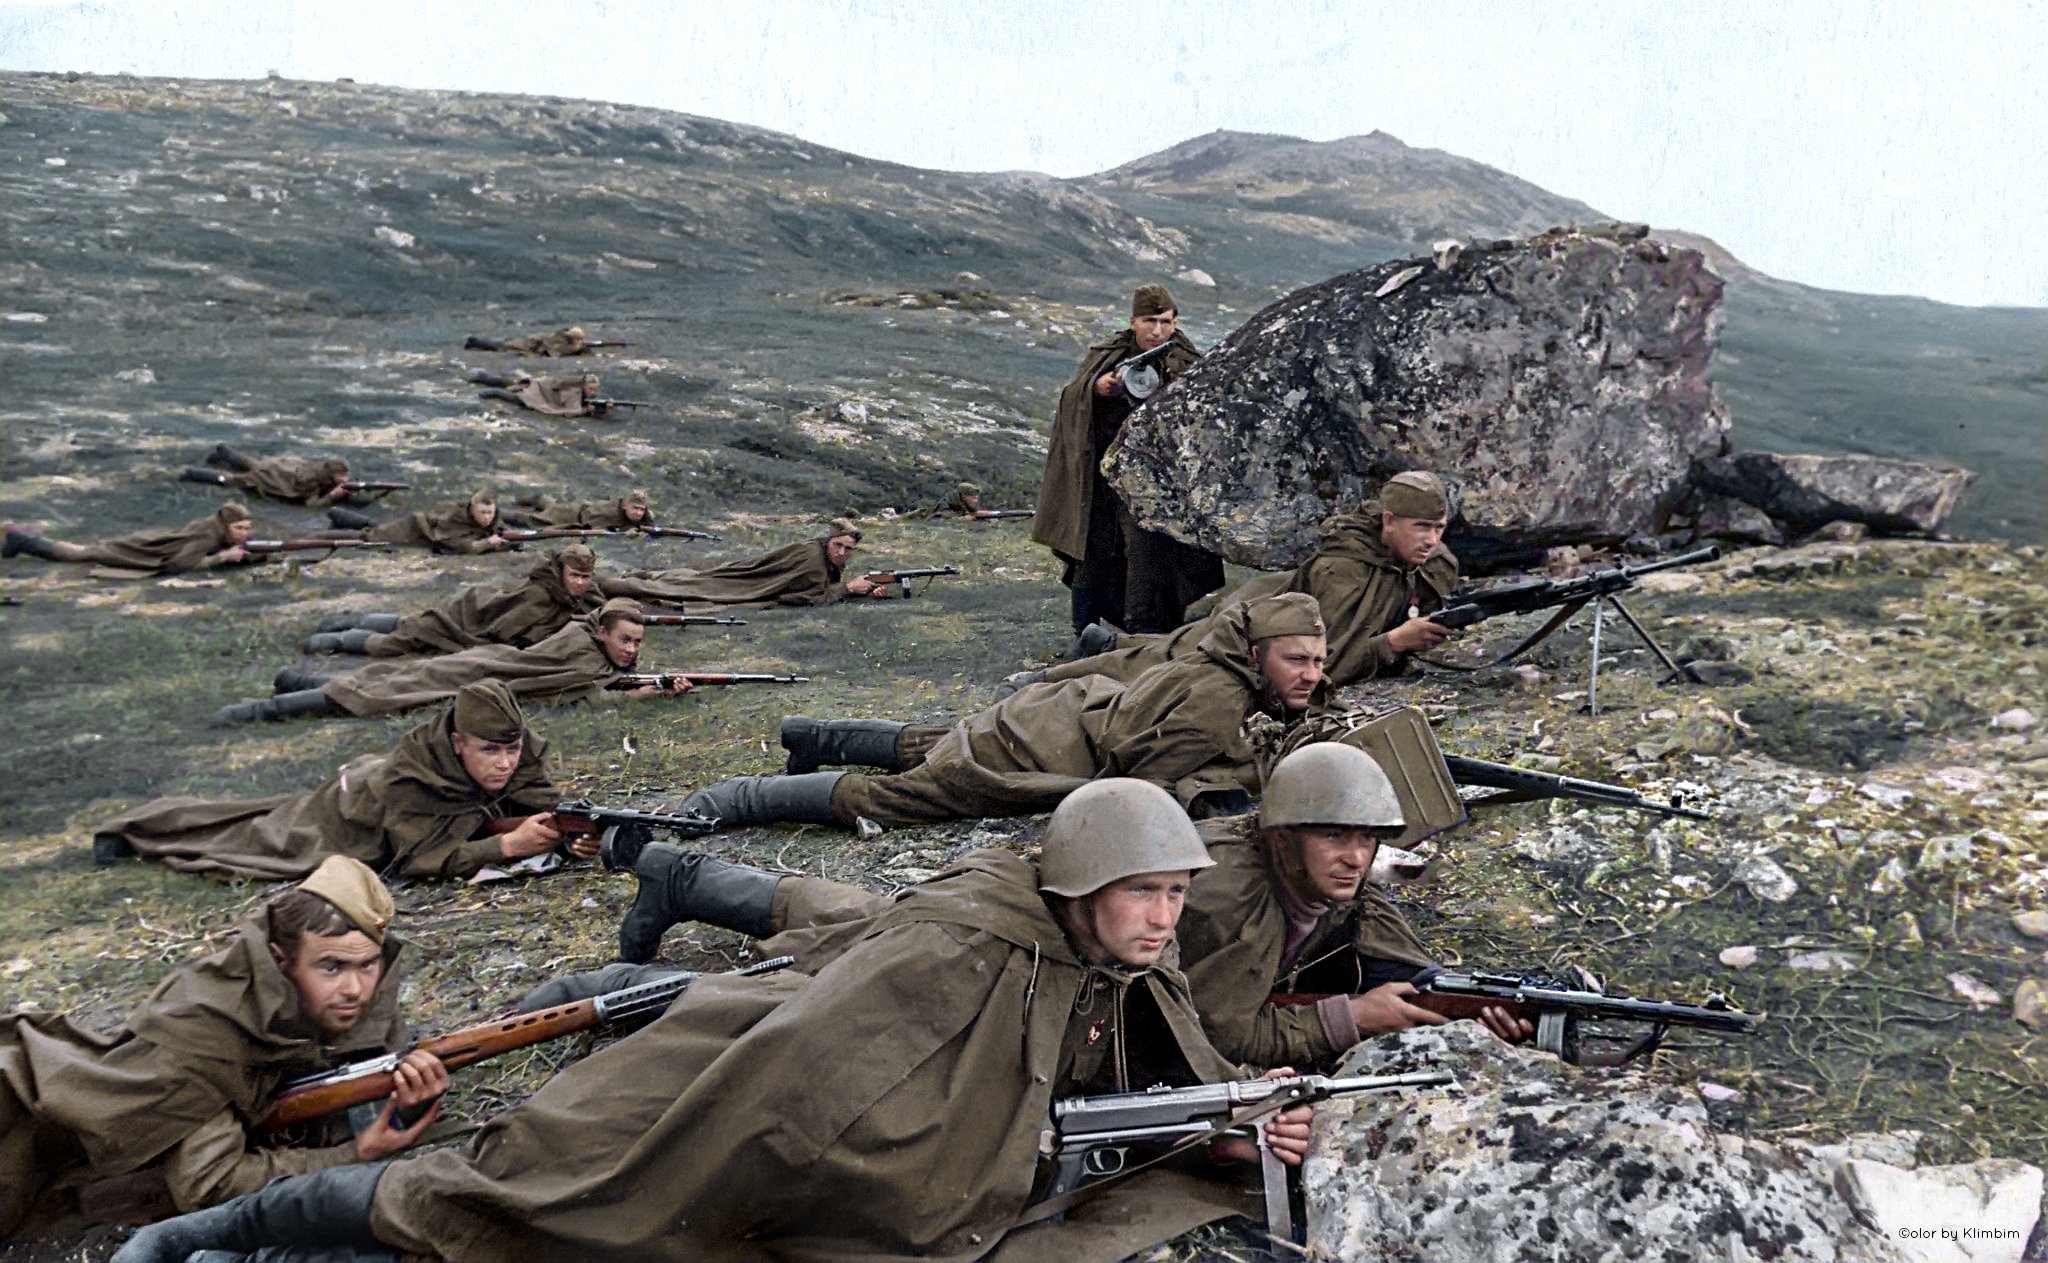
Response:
column 1288, row 908
column 891, row 1103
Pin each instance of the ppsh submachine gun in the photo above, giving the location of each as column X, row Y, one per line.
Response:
column 1092, row 1136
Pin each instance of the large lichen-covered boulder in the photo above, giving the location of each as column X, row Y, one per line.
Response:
column 1560, row 382
column 1537, row 1159
column 1807, row 491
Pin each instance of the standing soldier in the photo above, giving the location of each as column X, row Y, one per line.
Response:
column 560, row 588
column 1119, row 572
column 160, row 1115
column 824, row 1118
column 204, row 543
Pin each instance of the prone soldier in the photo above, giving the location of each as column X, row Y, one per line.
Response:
column 562, row 586
column 204, row 543
column 808, row 572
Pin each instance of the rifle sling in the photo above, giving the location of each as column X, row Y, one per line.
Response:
column 1557, row 620
column 1067, row 1201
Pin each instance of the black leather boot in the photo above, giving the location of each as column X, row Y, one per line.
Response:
column 110, row 848
column 327, row 1209
column 283, row 706
column 354, row 640
column 765, row 799
column 813, row 742
column 678, row 885
column 349, row 520
column 1094, row 638
column 299, row 680
column 23, row 542
column 224, row 457
column 212, row 477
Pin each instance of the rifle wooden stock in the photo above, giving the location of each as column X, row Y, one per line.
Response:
column 456, row 1049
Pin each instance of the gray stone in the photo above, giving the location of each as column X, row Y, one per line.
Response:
column 1560, row 382
column 1736, row 521
column 1979, row 1213
column 1537, row 1159
column 2033, row 924
column 1810, row 491
column 1765, row 879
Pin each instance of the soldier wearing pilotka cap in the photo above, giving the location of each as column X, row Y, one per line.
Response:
column 156, row 1116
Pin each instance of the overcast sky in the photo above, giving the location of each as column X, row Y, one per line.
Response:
column 1852, row 144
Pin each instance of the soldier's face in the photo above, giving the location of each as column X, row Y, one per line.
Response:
column 970, row 501
column 577, row 582
column 1134, row 918
column 335, row 976
column 489, row 763
column 633, row 511
column 1330, row 861
column 483, row 514
column 839, row 550
column 339, row 477
column 621, row 644
column 1154, row 329
column 1412, row 539
column 239, row 532
column 1292, row 667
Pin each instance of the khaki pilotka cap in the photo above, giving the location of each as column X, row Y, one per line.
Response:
column 842, row 526
column 1289, row 614
column 484, row 496
column 1416, row 493
column 967, row 489
column 232, row 511
column 1150, row 300
column 355, row 892
column 637, row 497
column 620, row 605
column 578, row 557
column 487, row 711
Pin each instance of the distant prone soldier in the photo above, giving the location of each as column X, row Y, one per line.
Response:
column 558, row 345
column 206, row 543
column 630, row 512
column 467, row 788
column 809, row 572
column 551, row 396
column 580, row 661
column 314, row 482
column 561, row 587
column 453, row 526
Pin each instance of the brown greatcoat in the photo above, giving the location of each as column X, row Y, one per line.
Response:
column 554, row 396
column 550, row 345
column 795, row 574
column 445, row 528
column 292, row 479
column 170, row 550
column 1233, row 935
column 410, row 812
column 889, row 1108
column 1068, row 493
column 177, row 1088
column 568, row 666
column 518, row 616
column 1179, row 725
column 1364, row 592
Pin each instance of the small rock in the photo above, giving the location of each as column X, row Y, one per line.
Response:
column 1925, row 1212
column 136, row 376
column 1979, row 995
column 1839, row 532
column 55, row 162
column 2032, row 924
column 1955, row 848
column 27, row 318
column 393, row 237
column 1528, row 673
column 1889, row 878
column 1765, row 879
column 2030, row 1004
column 1903, row 930
column 1823, row 962
column 1196, row 276
column 1717, row 1092
column 1739, row 957
column 2019, row 719
column 1966, row 779
column 1889, row 795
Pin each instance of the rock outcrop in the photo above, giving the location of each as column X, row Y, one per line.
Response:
column 1560, row 382
column 1537, row 1159
column 1806, row 492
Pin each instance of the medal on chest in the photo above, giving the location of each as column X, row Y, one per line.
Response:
column 1095, row 1030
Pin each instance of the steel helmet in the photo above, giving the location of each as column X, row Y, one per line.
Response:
column 1329, row 783
column 1111, row 829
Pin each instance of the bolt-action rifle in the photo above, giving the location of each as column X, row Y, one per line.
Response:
column 358, row 486
column 648, row 618
column 628, row 680
column 266, row 546
column 991, row 515
column 528, row 535
column 314, row 1096
column 1558, row 1008
column 593, row 342
column 1092, row 1135
column 667, row 532
column 883, row 578
column 602, row 406
column 1520, row 785
column 1542, row 594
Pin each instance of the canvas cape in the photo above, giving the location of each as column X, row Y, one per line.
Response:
column 567, row 666
column 292, row 479
column 173, row 1088
column 889, row 1107
column 445, row 528
column 1362, row 589
column 795, row 574
column 410, row 812
column 519, row 616
column 170, row 550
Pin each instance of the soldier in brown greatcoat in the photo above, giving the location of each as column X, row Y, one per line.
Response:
column 891, row 1106
column 557, row 345
column 562, row 586
column 418, row 810
column 1377, row 575
column 1119, row 571
column 1180, row 726
column 809, row 572
column 575, row 663
column 204, row 543
column 453, row 526
column 161, row 1110
column 629, row 512
column 316, row 482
